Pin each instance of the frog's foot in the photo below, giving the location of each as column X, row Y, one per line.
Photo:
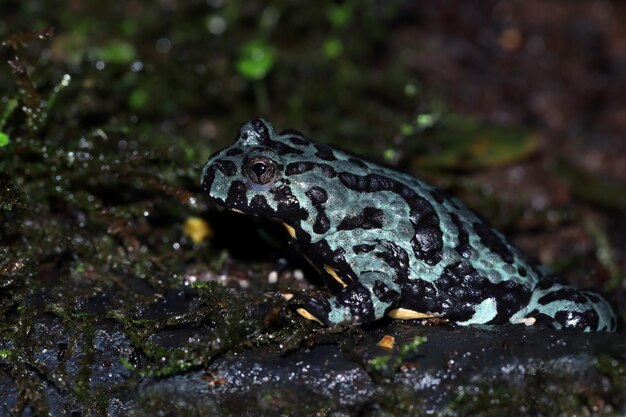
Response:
column 311, row 308
column 345, row 308
column 563, row 307
column 363, row 301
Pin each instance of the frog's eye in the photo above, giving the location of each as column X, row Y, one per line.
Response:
column 260, row 170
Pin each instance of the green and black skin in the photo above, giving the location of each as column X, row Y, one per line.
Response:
column 387, row 243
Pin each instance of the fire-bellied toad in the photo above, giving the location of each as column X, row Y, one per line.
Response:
column 387, row 243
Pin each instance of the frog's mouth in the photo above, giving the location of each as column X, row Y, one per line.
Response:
column 207, row 177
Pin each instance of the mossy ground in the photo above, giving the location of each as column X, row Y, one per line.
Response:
column 106, row 119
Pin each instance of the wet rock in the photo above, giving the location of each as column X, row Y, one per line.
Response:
column 483, row 370
column 507, row 370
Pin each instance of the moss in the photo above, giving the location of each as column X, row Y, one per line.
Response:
column 386, row 366
column 542, row 393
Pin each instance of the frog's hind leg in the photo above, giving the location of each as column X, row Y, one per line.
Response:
column 362, row 301
column 563, row 307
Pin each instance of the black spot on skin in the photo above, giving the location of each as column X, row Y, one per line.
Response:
column 327, row 170
column 493, row 241
column 208, row 179
column 259, row 128
column 321, row 224
column 236, row 197
column 363, row 248
column 438, row 196
column 298, row 141
column 283, row 149
column 283, row 195
column 577, row 320
column 420, row 295
column 384, row 293
column 288, row 206
column 368, row 218
column 358, row 301
column 296, row 168
column 463, row 247
column 522, row 271
column 324, row 152
column 301, row 167
column 260, row 206
column 565, row 293
column 428, row 240
column 279, row 147
column 261, row 150
column 459, row 289
column 545, row 283
column 234, row 152
column 318, row 197
column 357, row 162
column 397, row 259
column 228, row 168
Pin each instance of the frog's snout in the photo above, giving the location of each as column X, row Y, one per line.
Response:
column 207, row 177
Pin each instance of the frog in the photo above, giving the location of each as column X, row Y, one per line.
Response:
column 386, row 243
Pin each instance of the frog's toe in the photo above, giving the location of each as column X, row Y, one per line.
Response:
column 537, row 319
column 311, row 308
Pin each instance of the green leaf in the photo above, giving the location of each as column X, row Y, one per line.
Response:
column 255, row 60
column 4, row 139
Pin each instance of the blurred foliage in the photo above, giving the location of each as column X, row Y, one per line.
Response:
column 593, row 189
column 463, row 143
column 4, row 139
column 255, row 61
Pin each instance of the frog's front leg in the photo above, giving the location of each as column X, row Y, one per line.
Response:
column 362, row 301
column 381, row 274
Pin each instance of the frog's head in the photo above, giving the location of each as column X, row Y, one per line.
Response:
column 258, row 174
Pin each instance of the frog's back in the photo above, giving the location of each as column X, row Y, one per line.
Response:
column 443, row 230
